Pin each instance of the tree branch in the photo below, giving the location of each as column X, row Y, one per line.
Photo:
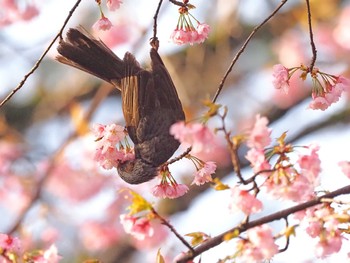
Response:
column 37, row 64
column 241, row 50
column 215, row 241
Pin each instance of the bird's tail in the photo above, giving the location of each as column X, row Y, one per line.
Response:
column 81, row 50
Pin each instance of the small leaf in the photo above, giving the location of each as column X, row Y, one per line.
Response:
column 197, row 238
column 231, row 235
column 138, row 203
column 219, row 186
column 159, row 258
column 77, row 115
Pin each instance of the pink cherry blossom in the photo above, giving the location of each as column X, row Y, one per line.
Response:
column 310, row 165
column 259, row 136
column 281, row 77
column 49, row 256
column 259, row 245
column 345, row 167
column 10, row 243
column 329, row 246
column 169, row 190
column 113, row 4
column 244, row 201
column 203, row 174
column 75, row 184
column 319, row 103
column 258, row 161
column 197, row 135
column 139, row 228
column 180, row 36
column 99, row 235
column 102, row 24
column 202, row 32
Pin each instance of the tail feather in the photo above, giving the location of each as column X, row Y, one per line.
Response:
column 81, row 50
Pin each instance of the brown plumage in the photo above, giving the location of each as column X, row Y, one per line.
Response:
column 149, row 100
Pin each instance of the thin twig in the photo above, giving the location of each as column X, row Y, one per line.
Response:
column 154, row 41
column 178, row 158
column 172, row 229
column 37, row 64
column 312, row 43
column 241, row 50
column 217, row 240
column 177, row 3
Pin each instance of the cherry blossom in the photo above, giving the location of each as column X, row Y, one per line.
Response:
column 99, row 235
column 203, row 174
column 169, row 190
column 139, row 228
column 345, row 167
column 259, row 245
column 113, row 4
column 244, row 201
column 259, row 136
column 197, row 135
column 10, row 243
column 281, row 77
column 48, row 256
column 257, row 159
column 102, row 24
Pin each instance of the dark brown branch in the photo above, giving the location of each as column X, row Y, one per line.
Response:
column 241, row 50
column 37, row 64
column 312, row 43
column 177, row 3
column 154, row 41
column 178, row 158
column 215, row 241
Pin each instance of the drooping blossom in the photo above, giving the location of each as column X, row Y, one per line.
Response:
column 113, row 4
column 259, row 245
column 259, row 136
column 345, row 167
column 139, row 227
column 281, row 77
column 169, row 190
column 204, row 172
column 102, row 24
column 244, row 201
column 325, row 95
column 185, row 32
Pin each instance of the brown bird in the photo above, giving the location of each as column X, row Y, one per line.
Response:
column 149, row 100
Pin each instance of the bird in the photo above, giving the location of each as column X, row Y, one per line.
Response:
column 150, row 102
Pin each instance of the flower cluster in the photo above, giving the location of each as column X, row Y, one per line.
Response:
column 283, row 179
column 244, row 201
column 11, row 251
column 12, row 11
column 104, row 23
column 168, row 187
column 139, row 227
column 323, row 223
column 204, row 170
column 326, row 88
column 107, row 138
column 258, row 246
column 185, row 32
